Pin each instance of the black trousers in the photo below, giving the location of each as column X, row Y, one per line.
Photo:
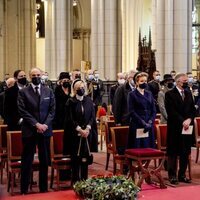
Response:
column 29, row 147
column 79, row 172
column 172, row 165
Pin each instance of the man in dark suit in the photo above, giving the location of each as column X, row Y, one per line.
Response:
column 120, row 108
column 154, row 87
column 120, row 81
column 37, row 108
column 11, row 115
column 181, row 111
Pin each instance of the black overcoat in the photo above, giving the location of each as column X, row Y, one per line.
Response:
column 178, row 110
column 75, row 117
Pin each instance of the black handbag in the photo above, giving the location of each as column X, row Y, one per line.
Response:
column 88, row 160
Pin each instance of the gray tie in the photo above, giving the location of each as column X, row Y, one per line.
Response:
column 37, row 91
column 182, row 94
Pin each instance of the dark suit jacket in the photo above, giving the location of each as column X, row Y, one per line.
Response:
column 112, row 92
column 32, row 113
column 11, row 114
column 178, row 111
column 120, row 110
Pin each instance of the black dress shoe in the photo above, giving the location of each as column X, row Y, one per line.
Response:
column 173, row 181
column 24, row 193
column 184, row 180
column 43, row 191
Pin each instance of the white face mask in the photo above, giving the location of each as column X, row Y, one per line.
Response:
column 121, row 81
column 157, row 78
column 96, row 75
column 44, row 77
column 190, row 80
column 90, row 77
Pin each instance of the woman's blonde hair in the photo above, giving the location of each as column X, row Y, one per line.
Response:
column 138, row 75
column 75, row 84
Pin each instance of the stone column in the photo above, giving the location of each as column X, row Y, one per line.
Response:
column 19, row 40
column 111, row 45
column 172, row 35
column 160, row 36
column 2, row 35
column 182, row 35
column 104, row 37
column 169, row 46
column 58, row 38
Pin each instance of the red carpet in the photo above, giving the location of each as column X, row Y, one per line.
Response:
column 180, row 192
column 148, row 193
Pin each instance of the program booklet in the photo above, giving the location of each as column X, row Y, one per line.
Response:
column 140, row 133
column 187, row 131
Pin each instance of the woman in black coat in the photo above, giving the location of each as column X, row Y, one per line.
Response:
column 141, row 108
column 62, row 94
column 80, row 121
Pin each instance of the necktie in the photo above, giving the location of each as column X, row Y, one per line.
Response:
column 182, row 94
column 37, row 91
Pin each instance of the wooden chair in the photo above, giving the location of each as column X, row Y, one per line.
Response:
column 14, row 147
column 110, row 117
column 1, row 121
column 102, row 129
column 156, row 121
column 139, row 160
column 14, row 144
column 109, row 147
column 119, row 143
column 58, row 160
column 3, row 149
column 161, row 134
column 197, row 136
column 161, row 130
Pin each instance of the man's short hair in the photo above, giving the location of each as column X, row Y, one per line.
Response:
column 178, row 76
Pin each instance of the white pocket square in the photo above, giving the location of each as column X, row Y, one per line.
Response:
column 46, row 98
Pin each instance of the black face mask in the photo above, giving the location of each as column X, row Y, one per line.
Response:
column 185, row 85
column 22, row 81
column 81, row 92
column 170, row 85
column 36, row 80
column 143, row 85
column 66, row 85
column 77, row 76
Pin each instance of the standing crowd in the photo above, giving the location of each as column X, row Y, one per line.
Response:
column 37, row 106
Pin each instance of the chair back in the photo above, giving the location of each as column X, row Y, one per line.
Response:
column 56, row 144
column 158, row 116
column 161, row 131
column 111, row 117
column 197, row 129
column 119, row 138
column 109, row 124
column 156, row 121
column 102, row 127
column 14, row 145
column 3, row 136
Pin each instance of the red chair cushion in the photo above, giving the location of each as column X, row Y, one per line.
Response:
column 144, row 152
column 198, row 125
column 61, row 162
column 102, row 112
column 15, row 165
column 120, row 157
column 3, row 155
